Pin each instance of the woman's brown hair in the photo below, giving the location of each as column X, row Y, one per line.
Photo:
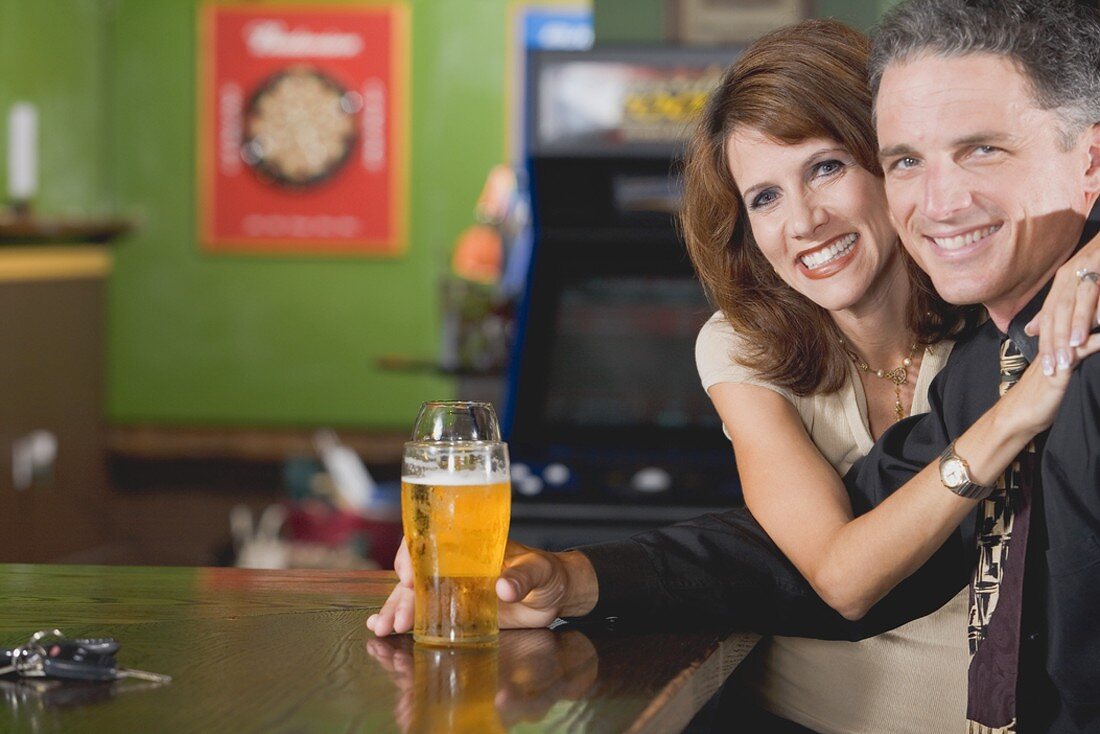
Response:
column 803, row 81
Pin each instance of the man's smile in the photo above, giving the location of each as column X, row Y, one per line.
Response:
column 959, row 240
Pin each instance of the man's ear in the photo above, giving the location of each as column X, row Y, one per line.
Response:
column 1092, row 175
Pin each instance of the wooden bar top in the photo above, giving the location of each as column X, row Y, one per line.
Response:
column 288, row 651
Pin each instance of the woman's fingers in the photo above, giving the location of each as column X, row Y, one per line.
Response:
column 1070, row 311
column 1056, row 330
column 1084, row 312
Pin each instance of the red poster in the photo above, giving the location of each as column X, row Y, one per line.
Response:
column 302, row 129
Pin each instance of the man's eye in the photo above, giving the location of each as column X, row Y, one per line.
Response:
column 904, row 163
column 985, row 150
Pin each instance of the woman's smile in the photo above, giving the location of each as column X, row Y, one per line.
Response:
column 830, row 258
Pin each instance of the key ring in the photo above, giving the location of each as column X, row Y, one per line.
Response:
column 1084, row 274
column 29, row 659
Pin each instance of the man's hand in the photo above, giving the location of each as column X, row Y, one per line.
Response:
column 535, row 587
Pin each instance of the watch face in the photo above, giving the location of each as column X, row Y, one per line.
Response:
column 299, row 127
column 953, row 473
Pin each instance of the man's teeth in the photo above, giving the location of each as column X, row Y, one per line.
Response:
column 827, row 254
column 955, row 243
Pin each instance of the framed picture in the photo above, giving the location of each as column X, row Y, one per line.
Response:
column 302, row 118
column 730, row 21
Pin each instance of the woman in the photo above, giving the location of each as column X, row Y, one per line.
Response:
column 814, row 289
column 827, row 334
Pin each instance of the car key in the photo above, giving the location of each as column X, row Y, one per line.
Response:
column 49, row 654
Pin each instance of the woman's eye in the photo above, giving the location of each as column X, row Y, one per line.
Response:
column 763, row 199
column 827, row 168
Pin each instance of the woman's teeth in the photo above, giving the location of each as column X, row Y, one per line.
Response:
column 825, row 255
column 955, row 243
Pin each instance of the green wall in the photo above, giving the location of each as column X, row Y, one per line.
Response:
column 643, row 20
column 628, row 21
column 203, row 339
column 54, row 53
column 198, row 338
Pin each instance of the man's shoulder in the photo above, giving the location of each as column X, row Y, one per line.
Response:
column 977, row 339
column 1086, row 381
column 967, row 385
column 972, row 352
column 1090, row 367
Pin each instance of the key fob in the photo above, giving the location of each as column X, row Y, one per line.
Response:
column 91, row 659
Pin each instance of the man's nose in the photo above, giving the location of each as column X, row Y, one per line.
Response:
column 806, row 216
column 945, row 192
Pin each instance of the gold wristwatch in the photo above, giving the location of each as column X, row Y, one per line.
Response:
column 955, row 475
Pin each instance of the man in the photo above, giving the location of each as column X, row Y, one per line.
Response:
column 987, row 114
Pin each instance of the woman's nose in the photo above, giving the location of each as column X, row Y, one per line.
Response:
column 807, row 215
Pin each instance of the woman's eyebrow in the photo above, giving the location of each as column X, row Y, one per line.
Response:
column 831, row 149
column 747, row 193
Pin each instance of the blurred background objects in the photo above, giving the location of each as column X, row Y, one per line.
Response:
column 227, row 226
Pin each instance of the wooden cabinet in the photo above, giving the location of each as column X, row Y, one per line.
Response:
column 52, row 306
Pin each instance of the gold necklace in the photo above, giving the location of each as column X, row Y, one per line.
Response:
column 898, row 376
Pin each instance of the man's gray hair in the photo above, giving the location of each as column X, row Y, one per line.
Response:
column 1055, row 43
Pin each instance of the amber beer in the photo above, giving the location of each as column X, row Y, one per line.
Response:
column 456, row 526
column 454, row 691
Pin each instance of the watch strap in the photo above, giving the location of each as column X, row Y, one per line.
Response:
column 968, row 489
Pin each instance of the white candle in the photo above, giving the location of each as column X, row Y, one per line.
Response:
column 22, row 152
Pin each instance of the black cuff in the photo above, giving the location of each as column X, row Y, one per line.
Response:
column 627, row 581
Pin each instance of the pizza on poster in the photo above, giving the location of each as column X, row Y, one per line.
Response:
column 302, row 123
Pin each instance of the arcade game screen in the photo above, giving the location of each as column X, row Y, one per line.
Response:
column 625, row 354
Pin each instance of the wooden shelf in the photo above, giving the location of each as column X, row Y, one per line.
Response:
column 245, row 443
column 431, row 366
column 24, row 229
column 49, row 262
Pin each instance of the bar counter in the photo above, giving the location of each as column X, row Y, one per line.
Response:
column 288, row 651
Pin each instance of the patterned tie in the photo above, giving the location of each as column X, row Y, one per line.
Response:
column 998, row 584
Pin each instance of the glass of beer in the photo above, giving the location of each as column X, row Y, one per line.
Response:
column 455, row 505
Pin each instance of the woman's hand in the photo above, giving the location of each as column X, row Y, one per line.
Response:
column 1032, row 403
column 535, row 588
column 1070, row 311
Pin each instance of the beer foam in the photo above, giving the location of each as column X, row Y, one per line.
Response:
column 441, row 478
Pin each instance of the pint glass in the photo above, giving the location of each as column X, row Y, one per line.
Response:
column 455, row 507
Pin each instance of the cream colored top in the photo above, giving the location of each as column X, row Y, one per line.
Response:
column 909, row 680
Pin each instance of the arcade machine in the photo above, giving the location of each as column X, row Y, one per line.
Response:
column 609, row 427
